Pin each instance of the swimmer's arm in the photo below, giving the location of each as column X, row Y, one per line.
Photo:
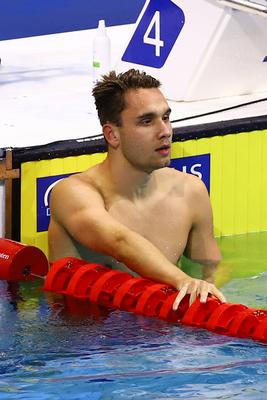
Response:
column 201, row 245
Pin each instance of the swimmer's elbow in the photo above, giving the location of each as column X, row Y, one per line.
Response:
column 119, row 246
column 209, row 262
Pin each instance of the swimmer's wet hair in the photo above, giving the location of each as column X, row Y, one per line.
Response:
column 109, row 92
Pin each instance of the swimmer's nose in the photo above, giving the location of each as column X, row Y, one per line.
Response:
column 165, row 130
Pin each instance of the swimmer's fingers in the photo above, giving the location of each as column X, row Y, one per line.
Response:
column 197, row 288
column 218, row 294
column 180, row 296
column 205, row 289
column 188, row 287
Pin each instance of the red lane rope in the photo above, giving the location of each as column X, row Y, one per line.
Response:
column 115, row 289
column 95, row 284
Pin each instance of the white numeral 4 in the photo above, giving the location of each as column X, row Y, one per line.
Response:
column 154, row 41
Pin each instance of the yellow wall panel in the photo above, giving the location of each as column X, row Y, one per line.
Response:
column 203, row 146
column 56, row 166
column 177, row 150
column 189, row 148
column 254, row 181
column 241, row 181
column 228, row 184
column 28, row 201
column 263, row 193
column 216, row 182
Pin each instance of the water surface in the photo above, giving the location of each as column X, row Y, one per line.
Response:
column 48, row 352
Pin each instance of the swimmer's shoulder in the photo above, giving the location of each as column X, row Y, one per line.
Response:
column 86, row 179
column 172, row 176
column 83, row 184
column 182, row 182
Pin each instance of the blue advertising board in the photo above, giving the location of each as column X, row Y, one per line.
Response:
column 24, row 18
column 44, row 187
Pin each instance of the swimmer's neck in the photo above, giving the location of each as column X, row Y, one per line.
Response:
column 128, row 181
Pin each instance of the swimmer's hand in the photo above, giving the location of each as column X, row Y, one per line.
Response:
column 196, row 287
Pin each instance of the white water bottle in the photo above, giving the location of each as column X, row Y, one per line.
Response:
column 101, row 52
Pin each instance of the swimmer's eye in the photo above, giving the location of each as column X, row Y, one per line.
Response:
column 149, row 119
column 166, row 117
column 145, row 121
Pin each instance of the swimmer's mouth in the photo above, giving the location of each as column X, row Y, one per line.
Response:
column 165, row 147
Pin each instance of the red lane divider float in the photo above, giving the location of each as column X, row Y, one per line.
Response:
column 97, row 284
column 20, row 262
column 115, row 289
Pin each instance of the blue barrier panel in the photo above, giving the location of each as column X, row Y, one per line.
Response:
column 24, row 18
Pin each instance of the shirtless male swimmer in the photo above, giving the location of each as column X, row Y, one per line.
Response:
column 131, row 210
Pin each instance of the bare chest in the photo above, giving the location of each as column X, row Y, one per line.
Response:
column 165, row 222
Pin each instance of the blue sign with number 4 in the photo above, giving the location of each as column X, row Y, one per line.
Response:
column 155, row 34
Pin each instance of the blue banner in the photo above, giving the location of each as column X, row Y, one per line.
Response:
column 23, row 18
column 44, row 186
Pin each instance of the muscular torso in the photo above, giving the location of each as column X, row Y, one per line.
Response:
column 164, row 221
column 163, row 217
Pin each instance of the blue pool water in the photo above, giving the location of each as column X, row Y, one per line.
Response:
column 48, row 353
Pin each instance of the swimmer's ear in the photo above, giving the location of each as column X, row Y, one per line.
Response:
column 111, row 135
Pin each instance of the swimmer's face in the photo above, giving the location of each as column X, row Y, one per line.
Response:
column 145, row 133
